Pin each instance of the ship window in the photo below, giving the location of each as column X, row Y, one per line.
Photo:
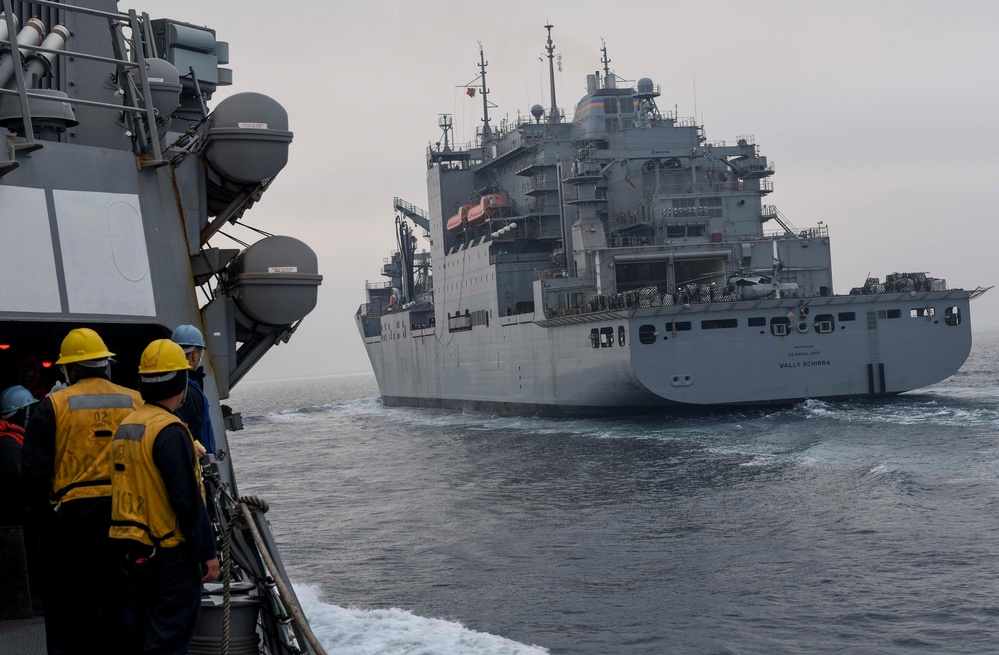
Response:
column 847, row 316
column 620, row 335
column 595, row 338
column 719, row 323
column 952, row 316
column 824, row 323
column 922, row 312
column 780, row 326
column 627, row 106
column 889, row 313
column 611, row 124
column 459, row 322
column 757, row 321
column 696, row 230
column 676, row 231
column 647, row 334
column 678, row 326
column 610, row 105
column 606, row 337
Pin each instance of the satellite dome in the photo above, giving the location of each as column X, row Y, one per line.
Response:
column 537, row 111
column 645, row 85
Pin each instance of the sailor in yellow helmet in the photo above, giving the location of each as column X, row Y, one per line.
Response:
column 66, row 478
column 158, row 510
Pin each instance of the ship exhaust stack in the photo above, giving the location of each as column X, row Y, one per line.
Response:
column 264, row 293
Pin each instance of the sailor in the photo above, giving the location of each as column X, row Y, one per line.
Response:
column 66, row 477
column 15, row 407
column 194, row 411
column 158, row 511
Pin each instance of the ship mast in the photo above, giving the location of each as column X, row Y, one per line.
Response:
column 486, row 131
column 605, row 60
column 553, row 115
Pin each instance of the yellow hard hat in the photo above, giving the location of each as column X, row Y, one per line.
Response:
column 163, row 356
column 80, row 345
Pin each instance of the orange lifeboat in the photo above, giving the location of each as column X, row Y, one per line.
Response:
column 490, row 205
column 457, row 222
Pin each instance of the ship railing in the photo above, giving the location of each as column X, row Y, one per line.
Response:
column 141, row 120
column 377, row 285
column 550, row 273
column 768, row 212
column 819, row 231
column 705, row 187
column 630, row 242
column 539, row 183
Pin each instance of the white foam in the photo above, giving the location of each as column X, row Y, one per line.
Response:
column 879, row 469
column 353, row 631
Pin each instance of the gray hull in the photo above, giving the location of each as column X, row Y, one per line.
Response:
column 619, row 261
column 550, row 367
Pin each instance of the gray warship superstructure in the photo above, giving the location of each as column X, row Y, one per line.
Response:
column 114, row 175
column 620, row 261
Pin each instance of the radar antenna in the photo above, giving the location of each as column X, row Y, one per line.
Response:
column 446, row 124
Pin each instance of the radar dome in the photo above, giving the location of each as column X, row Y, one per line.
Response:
column 537, row 111
column 645, row 85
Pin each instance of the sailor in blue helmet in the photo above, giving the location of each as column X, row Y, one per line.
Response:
column 194, row 411
column 15, row 407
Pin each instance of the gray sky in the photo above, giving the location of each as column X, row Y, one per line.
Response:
column 879, row 117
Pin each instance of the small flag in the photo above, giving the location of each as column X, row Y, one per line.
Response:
column 470, row 92
column 790, row 313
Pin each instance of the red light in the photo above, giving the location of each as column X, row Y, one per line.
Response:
column 4, row 346
column 46, row 364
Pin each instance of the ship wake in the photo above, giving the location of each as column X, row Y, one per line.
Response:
column 354, row 631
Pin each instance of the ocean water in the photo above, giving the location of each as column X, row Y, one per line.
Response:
column 849, row 527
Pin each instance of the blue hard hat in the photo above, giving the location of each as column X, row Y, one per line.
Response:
column 14, row 398
column 187, row 335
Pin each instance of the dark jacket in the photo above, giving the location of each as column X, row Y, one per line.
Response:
column 173, row 455
column 195, row 412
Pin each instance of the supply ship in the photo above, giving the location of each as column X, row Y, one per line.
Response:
column 115, row 172
column 616, row 260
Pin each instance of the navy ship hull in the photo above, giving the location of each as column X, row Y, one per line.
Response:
column 550, row 368
column 622, row 262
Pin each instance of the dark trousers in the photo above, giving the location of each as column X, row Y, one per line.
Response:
column 84, row 587
column 167, row 598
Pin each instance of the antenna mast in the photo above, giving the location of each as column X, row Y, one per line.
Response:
column 605, row 60
column 553, row 115
column 486, row 131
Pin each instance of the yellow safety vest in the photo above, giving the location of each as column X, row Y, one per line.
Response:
column 86, row 415
column 140, row 507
